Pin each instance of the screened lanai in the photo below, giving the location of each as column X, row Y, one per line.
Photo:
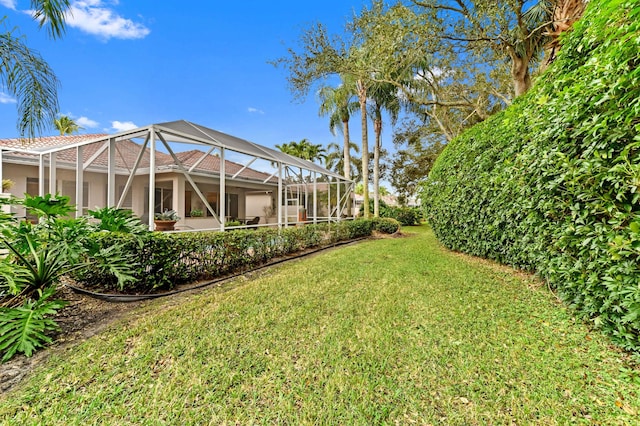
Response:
column 212, row 180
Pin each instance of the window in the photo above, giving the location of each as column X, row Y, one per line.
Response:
column 163, row 200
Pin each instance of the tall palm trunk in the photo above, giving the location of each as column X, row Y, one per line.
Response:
column 362, row 99
column 377, row 128
column 347, row 160
column 565, row 13
column 347, row 152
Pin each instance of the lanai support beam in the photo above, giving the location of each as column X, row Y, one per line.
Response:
column 132, row 173
column 279, row 195
column 41, row 176
column 152, row 178
column 111, row 174
column 339, row 206
column 52, row 173
column 79, row 182
column 315, row 197
column 223, row 189
column 188, row 177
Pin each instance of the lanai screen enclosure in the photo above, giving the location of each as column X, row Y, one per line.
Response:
column 208, row 177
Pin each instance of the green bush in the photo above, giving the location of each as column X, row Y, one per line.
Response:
column 407, row 216
column 168, row 259
column 552, row 184
column 386, row 225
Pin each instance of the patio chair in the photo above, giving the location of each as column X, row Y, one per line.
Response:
column 253, row 221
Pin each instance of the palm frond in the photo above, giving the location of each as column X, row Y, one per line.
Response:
column 30, row 79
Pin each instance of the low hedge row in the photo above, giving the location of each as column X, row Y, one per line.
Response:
column 169, row 259
column 552, row 184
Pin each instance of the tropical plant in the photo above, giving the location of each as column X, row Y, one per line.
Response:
column 303, row 149
column 38, row 257
column 113, row 219
column 335, row 160
column 27, row 76
column 384, row 97
column 24, row 329
column 66, row 125
column 338, row 103
column 7, row 184
column 168, row 215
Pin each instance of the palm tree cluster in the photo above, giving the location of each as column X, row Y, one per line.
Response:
column 303, row 149
column 452, row 63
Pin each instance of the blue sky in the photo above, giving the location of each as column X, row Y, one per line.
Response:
column 132, row 63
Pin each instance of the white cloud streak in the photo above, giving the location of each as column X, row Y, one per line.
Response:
column 121, row 126
column 11, row 4
column 95, row 18
column 255, row 110
column 87, row 123
column 7, row 99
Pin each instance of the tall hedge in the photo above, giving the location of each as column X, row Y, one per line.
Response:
column 552, row 184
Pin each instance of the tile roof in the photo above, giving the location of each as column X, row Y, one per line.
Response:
column 127, row 152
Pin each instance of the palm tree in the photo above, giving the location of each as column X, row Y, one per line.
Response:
column 66, row 125
column 335, row 160
column 563, row 15
column 303, row 149
column 383, row 96
column 338, row 103
column 27, row 76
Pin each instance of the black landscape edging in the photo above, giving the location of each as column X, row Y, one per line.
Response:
column 120, row 298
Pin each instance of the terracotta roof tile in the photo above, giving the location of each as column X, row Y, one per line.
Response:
column 127, row 152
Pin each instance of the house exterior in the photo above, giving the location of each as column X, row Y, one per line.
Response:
column 207, row 177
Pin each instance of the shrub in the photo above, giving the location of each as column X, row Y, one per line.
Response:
column 552, row 184
column 386, row 225
column 407, row 216
column 166, row 260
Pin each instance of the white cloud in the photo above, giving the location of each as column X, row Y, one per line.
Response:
column 255, row 110
column 11, row 4
column 6, row 99
column 121, row 126
column 94, row 17
column 86, row 123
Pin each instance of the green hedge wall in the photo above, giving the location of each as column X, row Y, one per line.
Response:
column 552, row 184
column 169, row 259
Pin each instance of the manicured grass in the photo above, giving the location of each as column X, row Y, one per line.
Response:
column 383, row 332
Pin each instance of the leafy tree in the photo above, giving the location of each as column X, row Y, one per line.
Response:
column 66, row 125
column 25, row 73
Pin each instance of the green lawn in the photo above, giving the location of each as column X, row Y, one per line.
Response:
column 390, row 331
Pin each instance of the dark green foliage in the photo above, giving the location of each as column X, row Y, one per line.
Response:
column 37, row 258
column 407, row 216
column 23, row 329
column 166, row 260
column 552, row 184
column 386, row 225
column 118, row 220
